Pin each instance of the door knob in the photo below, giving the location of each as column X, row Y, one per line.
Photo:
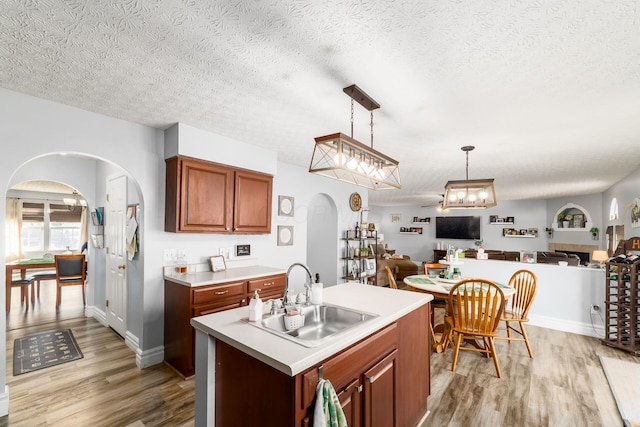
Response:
column 122, row 267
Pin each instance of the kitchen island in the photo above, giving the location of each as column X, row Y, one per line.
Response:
column 379, row 368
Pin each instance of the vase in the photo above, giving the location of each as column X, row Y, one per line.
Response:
column 559, row 224
column 565, row 224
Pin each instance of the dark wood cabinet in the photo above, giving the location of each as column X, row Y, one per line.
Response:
column 383, row 380
column 206, row 197
column 181, row 303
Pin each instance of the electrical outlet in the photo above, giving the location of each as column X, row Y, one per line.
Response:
column 170, row 255
column 182, row 253
column 595, row 309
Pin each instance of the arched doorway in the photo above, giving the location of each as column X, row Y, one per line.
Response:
column 88, row 175
column 322, row 235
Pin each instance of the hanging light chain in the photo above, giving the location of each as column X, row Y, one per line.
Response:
column 351, row 117
column 371, row 128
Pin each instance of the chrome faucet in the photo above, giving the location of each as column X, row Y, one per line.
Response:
column 286, row 287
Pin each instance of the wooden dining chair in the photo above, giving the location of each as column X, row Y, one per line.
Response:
column 441, row 303
column 392, row 279
column 475, row 309
column 525, row 283
column 23, row 284
column 70, row 271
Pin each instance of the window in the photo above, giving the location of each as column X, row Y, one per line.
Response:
column 50, row 227
column 32, row 227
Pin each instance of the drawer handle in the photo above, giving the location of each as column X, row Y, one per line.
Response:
column 346, row 388
column 268, row 284
column 222, row 292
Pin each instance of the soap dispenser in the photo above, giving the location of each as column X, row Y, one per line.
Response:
column 255, row 308
column 316, row 291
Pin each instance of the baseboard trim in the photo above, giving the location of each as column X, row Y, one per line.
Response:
column 96, row 313
column 579, row 328
column 4, row 402
column 146, row 358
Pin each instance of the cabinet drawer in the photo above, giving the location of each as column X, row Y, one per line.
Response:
column 271, row 284
column 215, row 308
column 211, row 294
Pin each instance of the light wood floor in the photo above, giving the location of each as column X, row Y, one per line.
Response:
column 563, row 385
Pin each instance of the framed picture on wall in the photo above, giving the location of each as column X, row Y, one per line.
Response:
column 635, row 213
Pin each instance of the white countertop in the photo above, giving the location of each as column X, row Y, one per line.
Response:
column 233, row 328
column 202, row 278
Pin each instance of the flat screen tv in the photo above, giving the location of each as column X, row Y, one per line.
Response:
column 458, row 227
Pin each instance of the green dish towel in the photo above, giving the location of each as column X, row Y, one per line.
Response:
column 328, row 411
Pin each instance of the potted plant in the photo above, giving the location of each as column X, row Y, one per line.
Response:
column 560, row 219
column 594, row 232
column 549, row 231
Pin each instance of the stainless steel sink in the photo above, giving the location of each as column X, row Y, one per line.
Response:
column 320, row 322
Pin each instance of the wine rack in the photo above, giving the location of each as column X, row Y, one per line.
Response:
column 622, row 306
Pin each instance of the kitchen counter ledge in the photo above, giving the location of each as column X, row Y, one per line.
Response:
column 202, row 278
column 232, row 326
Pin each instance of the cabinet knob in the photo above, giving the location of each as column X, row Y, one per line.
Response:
column 235, row 229
column 226, row 229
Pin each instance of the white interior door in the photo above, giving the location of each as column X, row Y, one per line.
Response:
column 115, row 243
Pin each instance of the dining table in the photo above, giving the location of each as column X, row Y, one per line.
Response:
column 24, row 265
column 440, row 288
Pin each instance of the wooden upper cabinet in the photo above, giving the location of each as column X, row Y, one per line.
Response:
column 252, row 210
column 205, row 197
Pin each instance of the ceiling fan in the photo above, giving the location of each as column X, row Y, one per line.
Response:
column 439, row 200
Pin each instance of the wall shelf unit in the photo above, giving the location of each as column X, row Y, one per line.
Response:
column 362, row 268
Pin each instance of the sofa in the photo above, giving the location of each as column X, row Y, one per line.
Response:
column 554, row 257
column 400, row 265
column 541, row 257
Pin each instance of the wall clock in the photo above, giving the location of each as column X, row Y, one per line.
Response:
column 355, row 202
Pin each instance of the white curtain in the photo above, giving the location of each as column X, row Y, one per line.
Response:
column 13, row 230
column 84, row 228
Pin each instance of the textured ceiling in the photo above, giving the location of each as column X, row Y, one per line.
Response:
column 548, row 91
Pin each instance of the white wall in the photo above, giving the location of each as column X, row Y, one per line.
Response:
column 35, row 127
column 527, row 214
column 625, row 191
column 564, row 295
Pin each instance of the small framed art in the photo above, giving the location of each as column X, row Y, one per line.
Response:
column 217, row 263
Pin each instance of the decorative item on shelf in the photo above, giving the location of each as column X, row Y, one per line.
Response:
column 594, row 233
column 474, row 194
column 395, row 218
column 549, row 232
column 524, row 232
column 560, row 219
column 418, row 219
column 478, row 242
column 568, row 218
column 343, row 158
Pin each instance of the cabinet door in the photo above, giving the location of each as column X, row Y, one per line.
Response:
column 379, row 393
column 252, row 210
column 206, row 202
column 351, row 402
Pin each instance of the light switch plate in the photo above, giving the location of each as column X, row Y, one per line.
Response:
column 170, row 255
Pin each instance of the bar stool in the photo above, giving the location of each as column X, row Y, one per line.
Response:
column 24, row 289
